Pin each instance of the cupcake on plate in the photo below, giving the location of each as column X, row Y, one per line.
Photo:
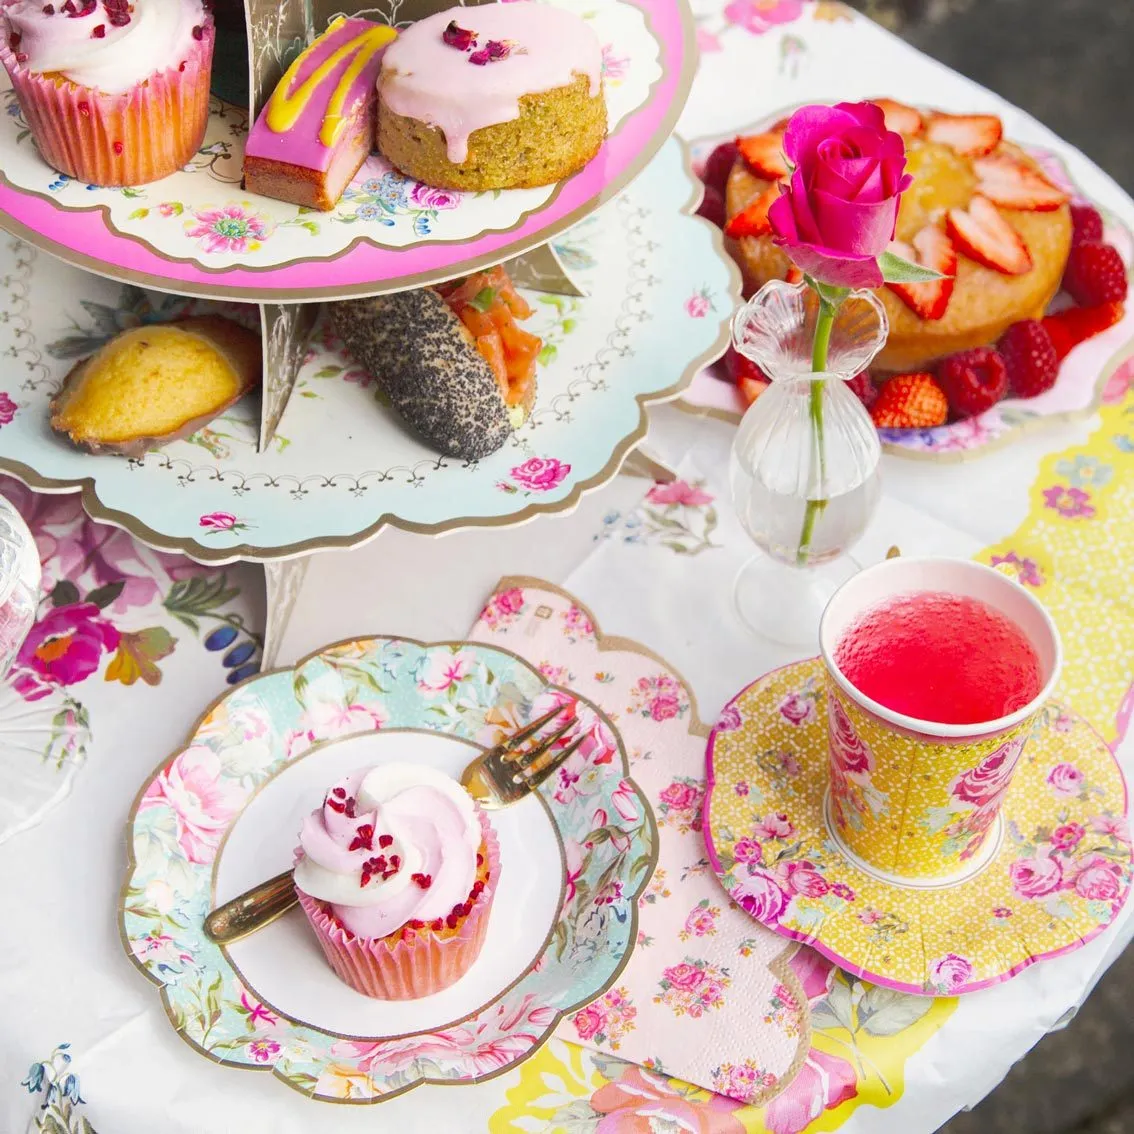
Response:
column 492, row 96
column 396, row 873
column 115, row 92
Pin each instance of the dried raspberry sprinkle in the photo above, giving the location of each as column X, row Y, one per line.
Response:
column 98, row 31
column 118, row 147
column 423, row 880
column 385, row 841
column 363, row 838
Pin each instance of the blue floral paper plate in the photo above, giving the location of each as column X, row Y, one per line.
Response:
column 224, row 812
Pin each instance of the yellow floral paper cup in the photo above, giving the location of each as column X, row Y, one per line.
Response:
column 914, row 801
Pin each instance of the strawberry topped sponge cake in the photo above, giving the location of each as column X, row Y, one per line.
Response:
column 980, row 211
column 492, row 96
column 396, row 873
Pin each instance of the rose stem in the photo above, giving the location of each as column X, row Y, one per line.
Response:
column 821, row 342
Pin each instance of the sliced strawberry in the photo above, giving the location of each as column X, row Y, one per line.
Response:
column 931, row 248
column 970, row 135
column 985, row 236
column 752, row 220
column 764, row 154
column 1077, row 324
column 1007, row 181
column 900, row 118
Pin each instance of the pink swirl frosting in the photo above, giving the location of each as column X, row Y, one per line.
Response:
column 390, row 844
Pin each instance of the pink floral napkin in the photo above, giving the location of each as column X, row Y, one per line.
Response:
column 708, row 995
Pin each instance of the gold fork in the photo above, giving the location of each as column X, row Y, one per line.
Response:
column 495, row 779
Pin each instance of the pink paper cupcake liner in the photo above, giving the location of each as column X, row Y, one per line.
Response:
column 130, row 138
column 389, row 968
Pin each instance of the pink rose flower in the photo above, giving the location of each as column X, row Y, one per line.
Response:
column 796, row 709
column 640, row 1101
column 698, row 306
column 63, row 648
column 684, row 976
column 540, row 474
column 1098, row 879
column 840, row 210
column 849, row 754
column 748, row 850
column 664, row 707
column 1035, row 877
column 7, row 409
column 429, row 198
column 729, row 720
column 822, row 1083
column 1067, row 837
column 1065, row 780
column 802, row 878
column 510, row 601
column 679, row 796
column 218, row 521
column 678, row 492
column 774, row 827
column 700, row 922
column 758, row 16
column 950, row 973
column 588, row 1022
column 759, row 895
column 989, row 780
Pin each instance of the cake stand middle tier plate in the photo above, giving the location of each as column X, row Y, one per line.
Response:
column 342, row 466
column 199, row 233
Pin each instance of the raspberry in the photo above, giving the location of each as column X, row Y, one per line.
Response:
column 1029, row 357
column 973, row 380
column 1086, row 224
column 863, row 388
column 719, row 165
column 1095, row 274
column 712, row 207
column 910, row 401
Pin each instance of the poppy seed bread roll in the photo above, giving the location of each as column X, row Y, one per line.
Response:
column 427, row 363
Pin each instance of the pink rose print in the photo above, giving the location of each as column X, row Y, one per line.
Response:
column 842, row 890
column 588, row 1022
column 1035, row 877
column 1065, row 780
column 989, row 780
column 701, row 921
column 231, row 228
column 202, row 802
column 680, row 796
column 684, row 976
column 63, row 648
column 797, row 710
column 699, row 304
column 540, row 474
column 774, row 827
column 263, row 1050
column 949, row 974
column 869, row 917
column 640, row 1101
column 1027, row 571
column 822, row 1083
column 759, row 16
column 679, row 804
column 7, row 409
column 849, row 754
column 216, row 522
column 729, row 720
column 1067, row 837
column 748, row 850
column 429, row 198
column 746, row 1081
column 804, row 879
column 510, row 601
column 1071, row 503
column 679, row 492
column 758, row 893
column 1097, row 879
column 664, row 707
column 692, row 988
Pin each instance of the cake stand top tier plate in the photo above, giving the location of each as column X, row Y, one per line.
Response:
column 199, row 233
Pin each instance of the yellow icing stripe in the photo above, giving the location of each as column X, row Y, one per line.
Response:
column 289, row 102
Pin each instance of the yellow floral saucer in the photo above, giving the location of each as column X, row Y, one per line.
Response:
column 1057, row 879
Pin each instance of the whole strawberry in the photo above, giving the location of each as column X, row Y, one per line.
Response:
column 1095, row 274
column 910, row 401
column 1029, row 357
column 973, row 380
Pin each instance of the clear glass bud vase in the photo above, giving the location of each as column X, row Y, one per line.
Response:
column 804, row 464
column 19, row 583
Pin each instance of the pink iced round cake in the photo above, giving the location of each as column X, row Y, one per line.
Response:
column 115, row 92
column 492, row 96
column 396, row 874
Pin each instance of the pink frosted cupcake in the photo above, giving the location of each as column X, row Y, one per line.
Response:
column 115, row 92
column 396, row 873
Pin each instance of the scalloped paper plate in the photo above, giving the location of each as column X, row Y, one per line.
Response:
column 198, row 233
column 342, row 466
column 225, row 811
column 1059, row 876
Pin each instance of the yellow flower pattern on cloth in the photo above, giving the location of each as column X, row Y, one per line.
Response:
column 910, row 805
column 1058, row 878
